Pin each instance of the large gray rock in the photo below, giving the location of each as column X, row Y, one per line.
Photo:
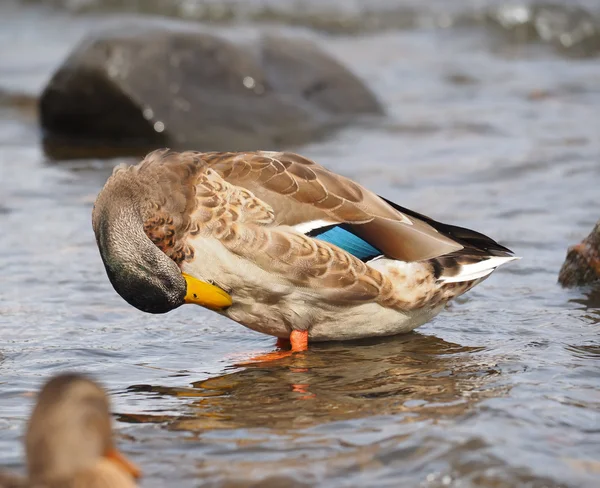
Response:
column 582, row 265
column 167, row 83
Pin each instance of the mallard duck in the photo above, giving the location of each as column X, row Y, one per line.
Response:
column 69, row 440
column 281, row 245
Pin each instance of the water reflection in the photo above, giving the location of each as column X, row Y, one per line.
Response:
column 591, row 314
column 416, row 375
column 590, row 301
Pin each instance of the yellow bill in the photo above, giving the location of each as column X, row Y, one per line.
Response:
column 205, row 294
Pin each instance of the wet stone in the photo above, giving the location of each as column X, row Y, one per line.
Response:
column 148, row 84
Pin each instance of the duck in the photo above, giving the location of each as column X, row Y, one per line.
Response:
column 69, row 440
column 281, row 245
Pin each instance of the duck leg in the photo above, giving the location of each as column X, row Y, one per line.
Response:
column 298, row 340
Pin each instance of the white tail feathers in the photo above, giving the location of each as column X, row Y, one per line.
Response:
column 475, row 271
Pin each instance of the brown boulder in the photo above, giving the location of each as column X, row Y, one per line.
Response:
column 582, row 265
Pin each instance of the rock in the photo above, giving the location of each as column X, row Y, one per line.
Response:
column 582, row 265
column 149, row 84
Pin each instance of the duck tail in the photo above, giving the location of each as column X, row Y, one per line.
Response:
column 479, row 257
column 457, row 269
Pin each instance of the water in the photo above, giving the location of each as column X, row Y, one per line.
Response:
column 500, row 390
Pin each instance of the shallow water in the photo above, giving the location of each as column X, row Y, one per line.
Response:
column 500, row 390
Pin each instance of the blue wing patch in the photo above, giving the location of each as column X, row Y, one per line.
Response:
column 340, row 236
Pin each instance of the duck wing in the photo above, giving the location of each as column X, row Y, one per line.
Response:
column 310, row 198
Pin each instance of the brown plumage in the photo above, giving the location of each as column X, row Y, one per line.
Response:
column 254, row 224
column 69, row 441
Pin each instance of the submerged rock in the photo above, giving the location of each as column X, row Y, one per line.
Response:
column 167, row 83
column 582, row 265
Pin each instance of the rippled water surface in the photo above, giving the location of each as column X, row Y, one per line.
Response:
column 501, row 390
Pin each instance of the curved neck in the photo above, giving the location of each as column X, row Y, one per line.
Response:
column 138, row 270
column 120, row 235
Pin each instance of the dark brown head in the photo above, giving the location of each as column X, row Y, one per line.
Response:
column 139, row 271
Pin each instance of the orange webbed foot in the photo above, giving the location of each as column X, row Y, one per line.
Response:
column 299, row 340
column 299, row 343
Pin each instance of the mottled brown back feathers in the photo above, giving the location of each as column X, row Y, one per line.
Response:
column 248, row 202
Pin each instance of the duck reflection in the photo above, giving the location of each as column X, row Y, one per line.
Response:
column 416, row 375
